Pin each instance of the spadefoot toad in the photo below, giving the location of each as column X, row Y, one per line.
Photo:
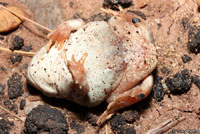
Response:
column 97, row 61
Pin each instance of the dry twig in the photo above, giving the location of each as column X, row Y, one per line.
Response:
column 165, row 126
column 17, row 51
column 11, row 113
column 25, row 18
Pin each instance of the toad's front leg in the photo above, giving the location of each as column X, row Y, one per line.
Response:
column 62, row 32
column 127, row 98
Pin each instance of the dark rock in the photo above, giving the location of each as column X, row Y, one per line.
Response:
column 185, row 22
column 194, row 39
column 17, row 44
column 165, row 70
column 158, row 90
column 2, row 87
column 196, row 80
column 118, row 124
column 138, row 13
column 15, row 58
column 27, row 48
column 77, row 127
column 22, row 104
column 3, row 3
column 92, row 119
column 10, row 105
column 130, row 130
column 159, row 25
column 71, row 4
column 131, row 116
column 15, row 86
column 4, row 70
column 185, row 58
column 44, row 119
column 1, row 37
column 180, row 82
column 113, row 3
column 5, row 126
column 24, row 67
column 100, row 17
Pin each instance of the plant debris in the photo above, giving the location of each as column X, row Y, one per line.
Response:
column 8, row 20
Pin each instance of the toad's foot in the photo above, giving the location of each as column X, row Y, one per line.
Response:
column 128, row 98
column 63, row 32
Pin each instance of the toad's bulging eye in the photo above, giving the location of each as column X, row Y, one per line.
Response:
column 136, row 20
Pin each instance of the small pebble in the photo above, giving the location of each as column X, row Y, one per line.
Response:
column 2, row 87
column 32, row 105
column 22, row 104
column 77, row 127
column 27, row 48
column 15, row 58
column 194, row 39
column 113, row 3
column 185, row 58
column 15, row 86
column 196, row 80
column 5, row 126
column 185, row 22
column 131, row 116
column 165, row 70
column 158, row 90
column 18, row 43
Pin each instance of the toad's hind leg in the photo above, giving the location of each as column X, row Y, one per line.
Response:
column 62, row 32
column 128, row 98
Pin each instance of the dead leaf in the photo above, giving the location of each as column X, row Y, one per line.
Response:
column 8, row 20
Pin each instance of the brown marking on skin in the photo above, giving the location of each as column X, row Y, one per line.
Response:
column 61, row 45
column 77, row 70
column 42, row 58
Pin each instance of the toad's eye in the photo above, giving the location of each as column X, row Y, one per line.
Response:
column 135, row 20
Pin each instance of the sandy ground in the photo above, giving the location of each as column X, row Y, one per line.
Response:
column 170, row 21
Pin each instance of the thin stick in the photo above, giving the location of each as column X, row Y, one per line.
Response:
column 27, row 19
column 17, row 51
column 165, row 126
column 11, row 113
column 109, row 11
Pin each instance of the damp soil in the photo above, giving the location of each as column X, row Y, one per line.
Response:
column 176, row 90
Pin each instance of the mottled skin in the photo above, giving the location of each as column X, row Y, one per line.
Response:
column 140, row 60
